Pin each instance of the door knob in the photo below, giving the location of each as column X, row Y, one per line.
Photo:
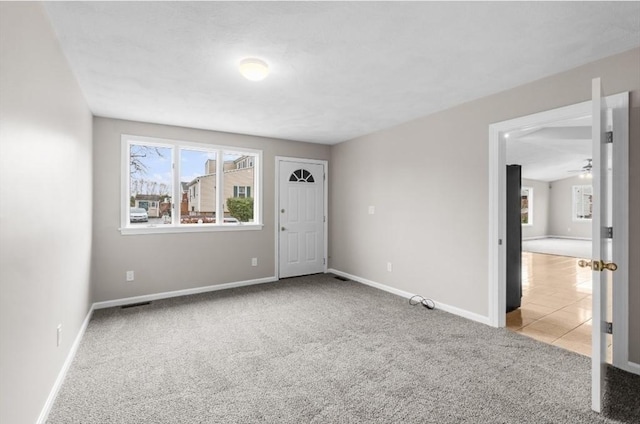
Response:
column 597, row 265
column 282, row 229
column 594, row 265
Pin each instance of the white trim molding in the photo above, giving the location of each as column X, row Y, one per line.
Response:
column 178, row 293
column 633, row 368
column 44, row 413
column 570, row 238
column 439, row 305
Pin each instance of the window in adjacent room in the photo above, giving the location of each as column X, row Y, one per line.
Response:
column 526, row 206
column 582, row 202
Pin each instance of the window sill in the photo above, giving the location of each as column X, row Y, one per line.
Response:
column 192, row 228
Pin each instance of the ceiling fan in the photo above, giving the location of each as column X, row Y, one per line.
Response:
column 586, row 170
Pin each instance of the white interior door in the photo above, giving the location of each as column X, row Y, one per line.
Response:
column 301, row 218
column 602, row 258
column 610, row 114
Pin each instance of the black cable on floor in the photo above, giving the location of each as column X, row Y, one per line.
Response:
column 427, row 303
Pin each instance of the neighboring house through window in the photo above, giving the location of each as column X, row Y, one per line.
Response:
column 204, row 178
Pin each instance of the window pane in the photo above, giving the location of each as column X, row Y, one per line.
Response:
column 239, row 183
column 198, row 186
column 525, row 205
column 150, row 185
column 583, row 202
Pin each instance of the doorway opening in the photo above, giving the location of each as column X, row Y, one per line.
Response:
column 551, row 209
column 497, row 224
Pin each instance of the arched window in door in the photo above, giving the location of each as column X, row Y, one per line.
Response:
column 301, row 176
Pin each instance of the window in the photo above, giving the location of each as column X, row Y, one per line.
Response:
column 301, row 176
column 217, row 187
column 241, row 191
column 526, row 206
column 582, row 202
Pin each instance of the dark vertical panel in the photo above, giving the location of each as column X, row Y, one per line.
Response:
column 514, row 238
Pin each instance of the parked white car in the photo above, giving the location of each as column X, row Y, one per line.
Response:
column 138, row 215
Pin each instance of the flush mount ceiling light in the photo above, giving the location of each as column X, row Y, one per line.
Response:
column 254, row 69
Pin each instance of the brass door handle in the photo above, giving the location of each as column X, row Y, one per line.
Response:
column 597, row 265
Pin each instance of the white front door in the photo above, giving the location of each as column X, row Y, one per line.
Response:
column 301, row 218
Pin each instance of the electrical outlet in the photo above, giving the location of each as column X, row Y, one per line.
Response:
column 58, row 335
column 389, row 267
column 130, row 276
column 254, row 261
column 372, row 210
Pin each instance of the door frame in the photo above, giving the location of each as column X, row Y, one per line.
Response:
column 325, row 166
column 497, row 216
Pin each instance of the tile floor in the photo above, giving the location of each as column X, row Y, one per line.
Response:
column 556, row 302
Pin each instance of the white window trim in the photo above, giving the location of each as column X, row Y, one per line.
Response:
column 126, row 140
column 530, row 206
column 574, row 211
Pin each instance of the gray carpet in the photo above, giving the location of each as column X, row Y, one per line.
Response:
column 317, row 350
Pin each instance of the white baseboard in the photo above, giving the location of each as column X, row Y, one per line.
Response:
column 176, row 293
column 570, row 238
column 44, row 414
column 632, row 367
column 439, row 305
column 534, row 238
column 361, row 280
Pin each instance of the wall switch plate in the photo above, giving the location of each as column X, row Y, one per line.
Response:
column 389, row 267
column 254, row 261
column 130, row 276
column 58, row 335
column 372, row 210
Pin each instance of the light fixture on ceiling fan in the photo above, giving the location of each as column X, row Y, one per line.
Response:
column 585, row 172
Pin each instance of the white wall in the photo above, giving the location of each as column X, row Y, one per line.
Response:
column 428, row 180
column 561, row 222
column 45, row 211
column 168, row 262
column 540, row 204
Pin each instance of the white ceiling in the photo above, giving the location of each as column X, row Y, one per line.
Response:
column 338, row 69
column 553, row 152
